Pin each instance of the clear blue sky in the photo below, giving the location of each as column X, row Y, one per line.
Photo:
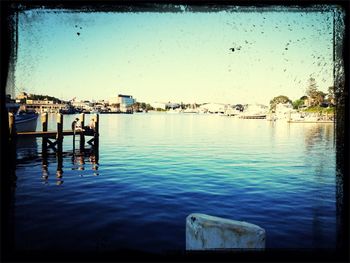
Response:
column 174, row 57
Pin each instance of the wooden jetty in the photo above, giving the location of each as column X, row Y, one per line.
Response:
column 252, row 117
column 54, row 139
column 306, row 121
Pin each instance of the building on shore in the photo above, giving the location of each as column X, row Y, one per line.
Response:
column 123, row 102
column 42, row 105
column 283, row 110
column 213, row 107
column 159, row 105
column 165, row 105
column 82, row 105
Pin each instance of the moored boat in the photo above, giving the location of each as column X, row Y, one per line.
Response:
column 26, row 121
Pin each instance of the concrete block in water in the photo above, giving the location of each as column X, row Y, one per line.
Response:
column 204, row 232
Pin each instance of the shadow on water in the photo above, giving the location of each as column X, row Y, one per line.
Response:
column 26, row 150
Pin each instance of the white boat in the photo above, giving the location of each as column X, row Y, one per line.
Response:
column 254, row 111
column 24, row 121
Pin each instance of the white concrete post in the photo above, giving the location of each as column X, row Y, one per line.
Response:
column 204, row 232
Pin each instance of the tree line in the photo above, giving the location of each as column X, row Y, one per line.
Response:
column 314, row 97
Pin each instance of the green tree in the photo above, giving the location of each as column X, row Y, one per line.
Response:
column 316, row 96
column 330, row 95
column 279, row 99
column 149, row 107
column 136, row 106
column 297, row 103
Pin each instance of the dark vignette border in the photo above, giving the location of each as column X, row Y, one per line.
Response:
column 8, row 47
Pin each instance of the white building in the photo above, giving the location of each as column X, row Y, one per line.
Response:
column 283, row 110
column 213, row 107
column 161, row 105
column 83, row 105
column 255, row 110
column 125, row 102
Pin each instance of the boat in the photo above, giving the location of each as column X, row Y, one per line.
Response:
column 254, row 111
column 24, row 120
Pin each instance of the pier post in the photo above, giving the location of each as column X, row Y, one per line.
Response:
column 59, row 136
column 12, row 145
column 97, row 130
column 59, row 170
column 12, row 127
column 204, row 232
column 44, row 128
column 82, row 137
column 44, row 168
column 289, row 116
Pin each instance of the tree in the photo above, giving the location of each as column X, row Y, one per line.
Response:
column 316, row 96
column 149, row 107
column 330, row 95
column 297, row 103
column 279, row 99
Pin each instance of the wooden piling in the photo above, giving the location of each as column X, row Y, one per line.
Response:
column 59, row 170
column 82, row 137
column 97, row 130
column 12, row 146
column 44, row 117
column 59, row 136
column 12, row 127
column 96, row 136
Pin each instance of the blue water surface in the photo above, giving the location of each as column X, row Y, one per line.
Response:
column 154, row 169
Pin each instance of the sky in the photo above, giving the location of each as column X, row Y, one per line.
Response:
column 179, row 57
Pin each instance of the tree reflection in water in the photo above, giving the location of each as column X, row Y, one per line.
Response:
column 319, row 142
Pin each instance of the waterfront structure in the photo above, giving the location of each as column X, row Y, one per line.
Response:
column 22, row 96
column 254, row 111
column 233, row 110
column 159, row 105
column 43, row 106
column 213, row 107
column 125, row 102
column 283, row 110
column 82, row 105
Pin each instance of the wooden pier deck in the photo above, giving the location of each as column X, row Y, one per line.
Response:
column 302, row 121
column 58, row 134
column 48, row 134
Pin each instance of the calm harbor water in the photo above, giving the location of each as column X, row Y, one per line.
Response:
column 155, row 169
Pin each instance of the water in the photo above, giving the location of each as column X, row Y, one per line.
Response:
column 155, row 169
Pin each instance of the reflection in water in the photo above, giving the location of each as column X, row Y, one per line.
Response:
column 79, row 161
column 26, row 147
column 318, row 138
column 94, row 167
column 284, row 184
column 318, row 133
